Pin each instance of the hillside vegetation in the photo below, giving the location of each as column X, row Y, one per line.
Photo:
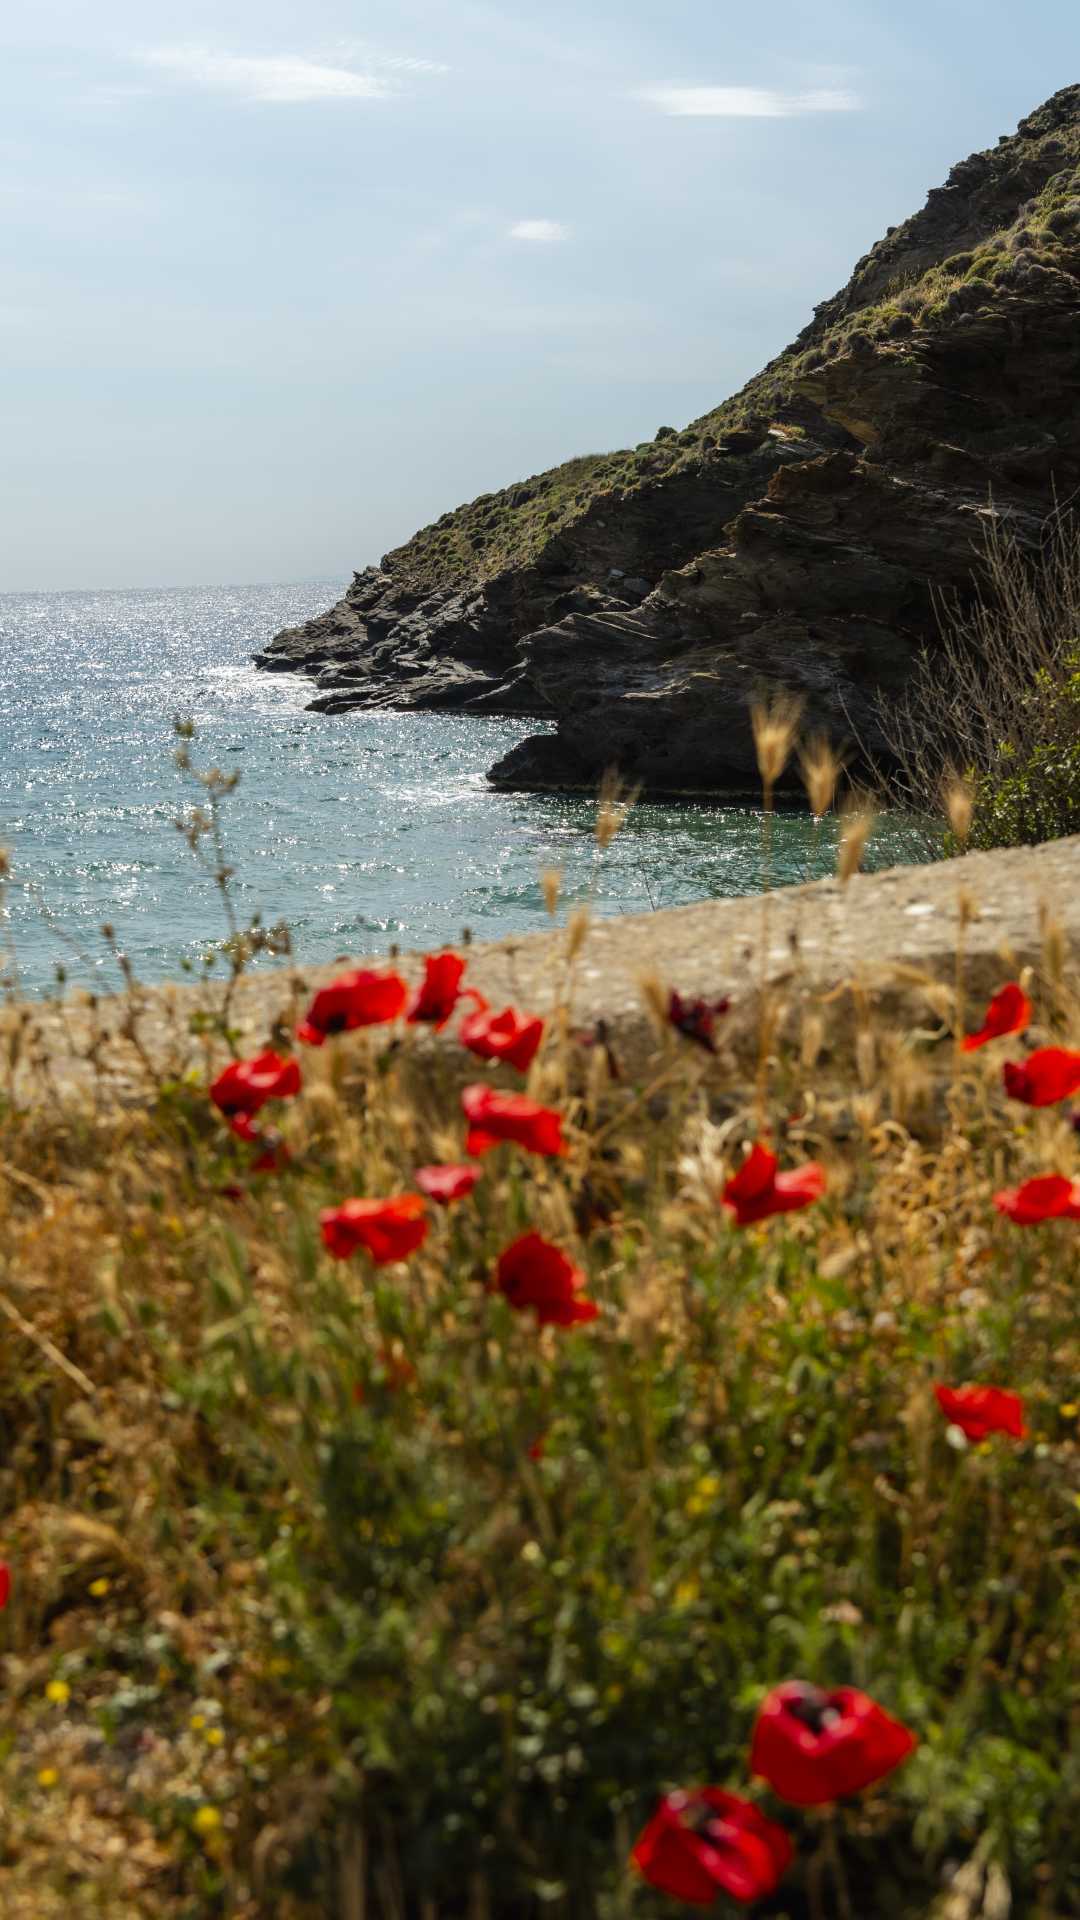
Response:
column 1019, row 219
column 406, row 1491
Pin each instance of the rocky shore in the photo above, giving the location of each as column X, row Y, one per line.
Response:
column 890, row 939
column 799, row 536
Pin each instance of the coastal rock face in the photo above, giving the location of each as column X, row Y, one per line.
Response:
column 796, row 537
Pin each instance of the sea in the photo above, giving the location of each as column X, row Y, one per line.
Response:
column 360, row 831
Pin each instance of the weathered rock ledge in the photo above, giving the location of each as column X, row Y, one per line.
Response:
column 889, row 934
column 799, row 536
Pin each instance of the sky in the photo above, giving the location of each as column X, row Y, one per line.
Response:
column 280, row 284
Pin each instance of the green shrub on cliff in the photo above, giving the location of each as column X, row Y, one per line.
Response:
column 1034, row 795
column 999, row 698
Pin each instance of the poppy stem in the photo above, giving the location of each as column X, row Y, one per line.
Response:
column 831, row 1853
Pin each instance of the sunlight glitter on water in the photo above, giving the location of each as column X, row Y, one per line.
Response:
column 358, row 830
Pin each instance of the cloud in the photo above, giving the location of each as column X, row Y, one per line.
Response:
column 281, row 78
column 544, row 232
column 748, row 103
column 350, row 52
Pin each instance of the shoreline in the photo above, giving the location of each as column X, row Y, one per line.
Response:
column 893, row 936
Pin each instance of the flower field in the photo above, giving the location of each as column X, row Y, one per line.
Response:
column 537, row 1489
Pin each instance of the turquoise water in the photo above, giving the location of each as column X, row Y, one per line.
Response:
column 359, row 830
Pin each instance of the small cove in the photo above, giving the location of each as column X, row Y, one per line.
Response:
column 360, row 831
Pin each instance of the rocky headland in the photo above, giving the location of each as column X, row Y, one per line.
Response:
column 798, row 536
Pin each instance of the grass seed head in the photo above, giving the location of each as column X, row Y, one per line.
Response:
column 859, row 822
column 774, row 723
column 820, row 768
column 577, row 928
column 615, row 803
column 959, row 803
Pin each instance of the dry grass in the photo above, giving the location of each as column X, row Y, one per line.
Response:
column 304, row 1622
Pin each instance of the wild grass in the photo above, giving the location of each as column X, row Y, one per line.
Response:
column 350, row 1591
column 995, row 704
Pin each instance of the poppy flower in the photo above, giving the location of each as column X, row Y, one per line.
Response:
column 538, row 1448
column 361, row 999
column 1008, row 1012
column 696, row 1018
column 243, row 1126
column 444, row 1184
column 435, row 999
column 509, row 1036
column 533, row 1273
column 494, row 1117
column 813, row 1747
column 274, row 1155
column 5, row 1584
column 1048, row 1075
column 387, row 1229
column 246, row 1085
column 979, row 1411
column 705, row 1842
column 757, row 1190
column 1049, row 1196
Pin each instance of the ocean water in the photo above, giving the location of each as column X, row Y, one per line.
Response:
column 360, row 830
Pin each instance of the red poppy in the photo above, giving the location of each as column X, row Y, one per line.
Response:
column 509, row 1036
column 434, row 1001
column 979, row 1411
column 1049, row 1196
column 398, row 1372
column 813, row 1746
column 701, row 1843
column 274, row 1155
column 533, row 1273
column 5, row 1584
column 493, row 1117
column 361, row 999
column 243, row 1126
column 1009, row 1012
column 388, row 1229
column 696, row 1018
column 444, row 1184
column 538, row 1448
column 246, row 1085
column 757, row 1190
column 1048, row 1075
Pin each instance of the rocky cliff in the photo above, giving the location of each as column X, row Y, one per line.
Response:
column 794, row 537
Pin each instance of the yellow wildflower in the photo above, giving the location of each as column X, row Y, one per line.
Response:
column 58, row 1693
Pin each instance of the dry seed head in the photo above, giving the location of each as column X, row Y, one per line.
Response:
column 656, row 997
column 615, row 802
column 1054, row 949
column 866, row 1058
column 774, row 723
column 959, row 802
column 859, row 822
column 577, row 928
column 967, row 907
column 551, row 885
column 820, row 769
column 811, row 1039
column 598, row 1075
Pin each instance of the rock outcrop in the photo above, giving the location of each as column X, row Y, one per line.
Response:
column 795, row 537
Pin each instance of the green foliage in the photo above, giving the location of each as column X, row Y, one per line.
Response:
column 1032, row 793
